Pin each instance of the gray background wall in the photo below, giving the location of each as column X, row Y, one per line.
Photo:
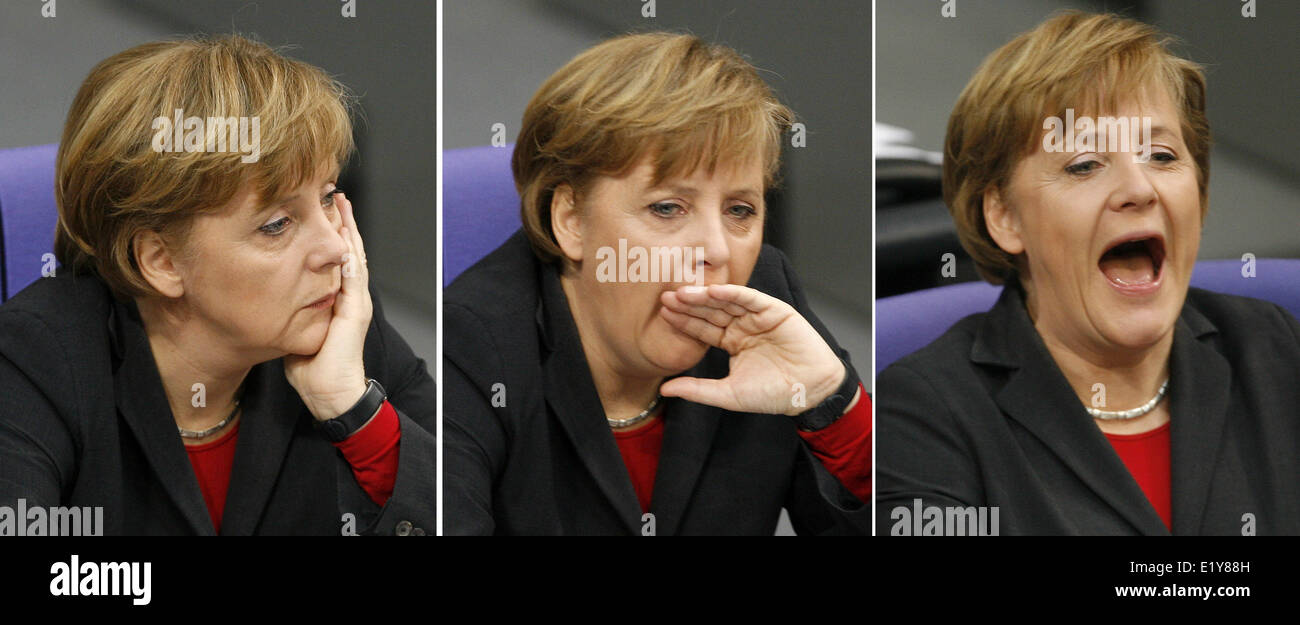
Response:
column 816, row 55
column 924, row 60
column 386, row 55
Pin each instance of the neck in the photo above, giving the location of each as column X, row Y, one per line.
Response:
column 1128, row 377
column 1128, row 380
column 623, row 392
column 188, row 354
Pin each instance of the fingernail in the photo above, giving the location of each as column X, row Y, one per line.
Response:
column 694, row 289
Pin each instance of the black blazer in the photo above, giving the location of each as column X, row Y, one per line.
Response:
column 84, row 421
column 547, row 463
column 984, row 417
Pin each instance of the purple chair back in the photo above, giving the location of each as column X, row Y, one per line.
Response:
column 908, row 322
column 27, row 215
column 480, row 208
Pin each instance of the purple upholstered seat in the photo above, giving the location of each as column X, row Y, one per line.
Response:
column 27, row 215
column 480, row 208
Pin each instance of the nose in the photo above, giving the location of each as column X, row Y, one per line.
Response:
column 1133, row 188
column 712, row 237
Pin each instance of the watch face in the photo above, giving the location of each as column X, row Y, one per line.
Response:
column 335, row 431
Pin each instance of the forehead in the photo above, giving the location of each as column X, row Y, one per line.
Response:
column 257, row 195
column 730, row 173
column 1129, row 113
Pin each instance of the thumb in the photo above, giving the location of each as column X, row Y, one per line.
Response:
column 701, row 391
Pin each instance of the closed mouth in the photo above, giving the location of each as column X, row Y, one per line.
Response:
column 323, row 302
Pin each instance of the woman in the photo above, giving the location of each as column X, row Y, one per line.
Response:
column 589, row 388
column 209, row 359
column 1100, row 395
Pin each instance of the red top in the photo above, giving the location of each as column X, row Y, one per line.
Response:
column 844, row 448
column 372, row 452
column 212, row 462
column 1147, row 457
column 640, row 450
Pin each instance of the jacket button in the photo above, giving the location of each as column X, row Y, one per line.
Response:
column 419, row 531
column 404, row 528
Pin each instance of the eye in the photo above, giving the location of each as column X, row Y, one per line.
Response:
column 742, row 211
column 1164, row 157
column 327, row 201
column 665, row 209
column 275, row 228
column 1085, row 167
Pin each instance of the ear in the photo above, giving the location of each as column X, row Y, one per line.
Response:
column 566, row 222
column 1002, row 222
column 157, row 264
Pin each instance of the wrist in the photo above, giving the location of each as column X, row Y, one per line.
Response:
column 833, row 406
column 356, row 416
column 819, row 392
column 329, row 406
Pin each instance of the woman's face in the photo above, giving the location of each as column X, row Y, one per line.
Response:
column 715, row 221
column 1071, row 213
column 264, row 275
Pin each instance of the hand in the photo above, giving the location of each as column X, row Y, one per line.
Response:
column 773, row 351
column 333, row 379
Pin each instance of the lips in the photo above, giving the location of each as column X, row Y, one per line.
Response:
column 1133, row 264
column 324, row 302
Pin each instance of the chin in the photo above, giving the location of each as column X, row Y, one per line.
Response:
column 1139, row 329
column 309, row 341
column 673, row 351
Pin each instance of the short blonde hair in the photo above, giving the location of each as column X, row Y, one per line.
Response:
column 688, row 103
column 1085, row 61
column 111, row 184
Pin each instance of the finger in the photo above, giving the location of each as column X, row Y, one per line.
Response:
column 693, row 327
column 701, row 391
column 357, row 240
column 752, row 300
column 699, row 296
column 714, row 316
column 351, row 269
column 353, row 302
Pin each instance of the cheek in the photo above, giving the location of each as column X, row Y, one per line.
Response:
column 1059, row 233
column 249, row 290
column 1183, row 200
column 744, row 257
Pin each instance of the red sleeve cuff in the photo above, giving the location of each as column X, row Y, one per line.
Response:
column 844, row 447
column 372, row 452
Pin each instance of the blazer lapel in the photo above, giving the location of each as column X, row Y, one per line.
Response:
column 271, row 411
column 1200, row 379
column 571, row 394
column 1038, row 396
column 143, row 404
column 688, row 436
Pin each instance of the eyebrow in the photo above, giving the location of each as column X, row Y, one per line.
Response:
column 285, row 199
column 1161, row 130
column 745, row 192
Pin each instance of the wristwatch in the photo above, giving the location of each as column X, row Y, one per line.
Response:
column 356, row 417
column 831, row 408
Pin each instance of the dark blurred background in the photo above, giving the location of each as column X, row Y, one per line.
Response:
column 385, row 55
column 924, row 60
column 815, row 55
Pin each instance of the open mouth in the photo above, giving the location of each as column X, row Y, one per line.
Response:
column 1134, row 264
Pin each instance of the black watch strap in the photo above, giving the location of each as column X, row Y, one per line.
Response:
column 346, row 424
column 833, row 407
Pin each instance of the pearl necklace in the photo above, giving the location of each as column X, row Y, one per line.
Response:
column 1130, row 414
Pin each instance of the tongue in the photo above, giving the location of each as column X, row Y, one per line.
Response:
column 1134, row 268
